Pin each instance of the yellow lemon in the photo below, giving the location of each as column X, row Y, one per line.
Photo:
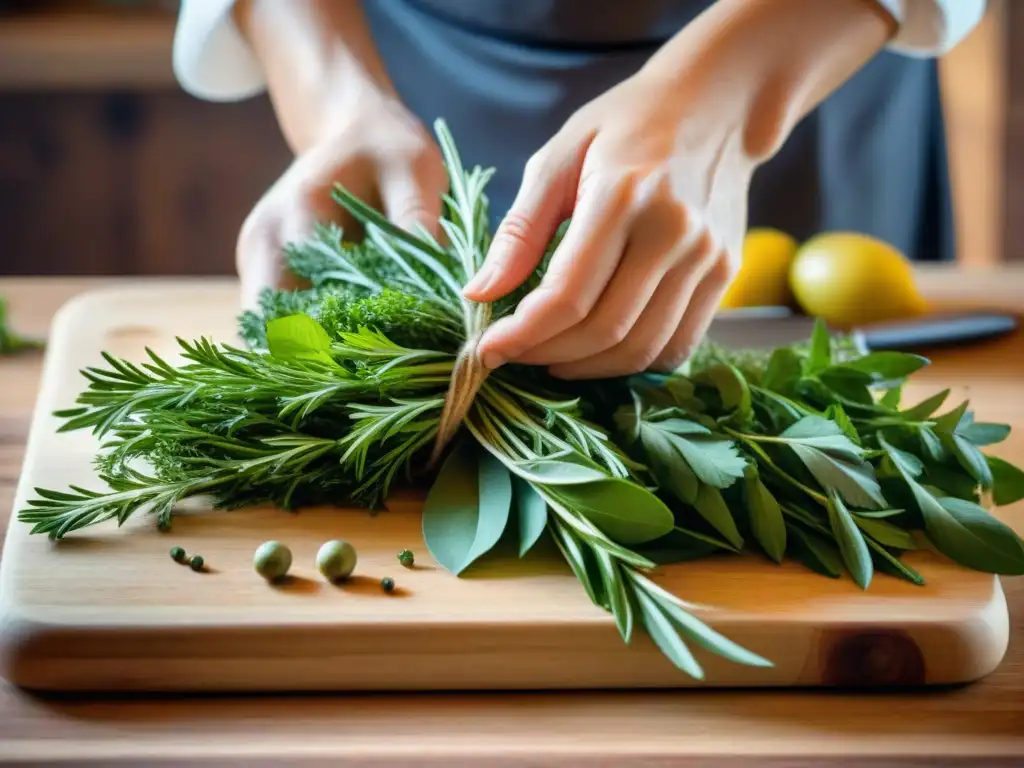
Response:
column 851, row 279
column 763, row 279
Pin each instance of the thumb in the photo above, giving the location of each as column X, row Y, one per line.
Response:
column 524, row 234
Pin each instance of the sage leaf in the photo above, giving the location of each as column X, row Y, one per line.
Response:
column 1007, row 481
column 820, row 354
column 626, row 512
column 925, row 408
column 532, row 514
column 467, row 508
column 766, row 519
column 816, row 553
column 782, row 372
column 714, row 461
column 851, row 544
column 712, row 507
column 298, row 336
column 985, row 433
column 665, row 636
column 886, row 364
column 885, row 533
column 967, row 534
column 853, row 479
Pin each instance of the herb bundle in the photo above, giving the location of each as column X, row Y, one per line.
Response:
column 344, row 389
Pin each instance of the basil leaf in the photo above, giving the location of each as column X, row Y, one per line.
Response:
column 1008, row 481
column 886, row 365
column 968, row 535
column 532, row 514
column 925, row 408
column 782, row 372
column 986, row 433
column 932, row 445
column 626, row 512
column 851, row 543
column 885, row 533
column 298, row 336
column 816, row 553
column 820, row 354
column 467, row 509
column 848, row 388
column 712, row 507
column 766, row 520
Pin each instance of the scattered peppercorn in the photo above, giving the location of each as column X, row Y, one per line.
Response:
column 196, row 563
column 406, row 558
column 272, row 560
column 178, row 554
column 336, row 560
column 164, row 524
column 387, row 584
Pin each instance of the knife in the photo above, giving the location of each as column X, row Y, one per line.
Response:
column 775, row 327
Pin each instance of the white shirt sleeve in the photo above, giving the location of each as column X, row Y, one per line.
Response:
column 212, row 60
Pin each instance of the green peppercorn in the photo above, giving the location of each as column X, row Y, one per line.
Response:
column 178, row 554
column 387, row 584
column 336, row 560
column 406, row 558
column 196, row 563
column 272, row 560
column 164, row 524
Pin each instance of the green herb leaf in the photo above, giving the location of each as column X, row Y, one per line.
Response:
column 667, row 464
column 714, row 461
column 783, row 371
column 626, row 512
column 837, row 414
column 467, row 508
column 532, row 513
column 925, row 408
column 298, row 336
column 886, row 365
column 904, row 461
column 852, row 478
column 851, row 543
column 885, row 533
column 986, row 433
column 766, row 519
column 816, row 553
column 820, row 354
column 1008, row 481
column 892, row 397
column 732, row 389
column 822, row 434
column 712, row 507
column 556, row 472
column 969, row 457
column 615, row 588
column 665, row 637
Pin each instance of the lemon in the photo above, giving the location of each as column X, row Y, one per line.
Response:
column 849, row 279
column 763, row 279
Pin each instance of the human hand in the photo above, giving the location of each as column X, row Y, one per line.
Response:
column 655, row 176
column 382, row 154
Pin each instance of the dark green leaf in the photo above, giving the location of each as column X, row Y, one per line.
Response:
column 851, row 543
column 837, row 414
column 682, row 545
column 626, row 512
column 848, row 387
column 816, row 553
column 891, row 398
column 766, row 520
column 732, row 389
column 931, row 444
column 886, row 365
column 532, row 513
column 714, row 461
column 907, row 462
column 853, row 479
column 667, row 464
column 888, row 562
column 298, row 336
column 712, row 507
column 820, row 354
column 986, row 433
column 782, row 372
column 467, row 508
column 968, row 535
column 969, row 457
column 949, row 423
column 926, row 408
column 1008, row 481
column 885, row 533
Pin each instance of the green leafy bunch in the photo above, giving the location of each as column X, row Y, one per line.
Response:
column 338, row 396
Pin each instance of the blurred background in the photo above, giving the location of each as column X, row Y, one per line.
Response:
column 108, row 168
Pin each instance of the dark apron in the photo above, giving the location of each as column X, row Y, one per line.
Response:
column 506, row 74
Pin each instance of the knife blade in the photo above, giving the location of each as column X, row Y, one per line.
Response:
column 769, row 330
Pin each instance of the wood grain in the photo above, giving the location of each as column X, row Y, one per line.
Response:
column 979, row 724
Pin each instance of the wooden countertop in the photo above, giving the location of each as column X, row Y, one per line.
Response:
column 981, row 724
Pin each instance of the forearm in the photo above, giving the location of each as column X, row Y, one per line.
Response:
column 319, row 60
column 765, row 64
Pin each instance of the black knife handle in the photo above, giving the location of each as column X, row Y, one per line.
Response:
column 939, row 331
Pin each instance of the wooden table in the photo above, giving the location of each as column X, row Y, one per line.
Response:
column 981, row 724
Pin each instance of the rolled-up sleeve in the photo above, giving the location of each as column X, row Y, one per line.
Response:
column 212, row 60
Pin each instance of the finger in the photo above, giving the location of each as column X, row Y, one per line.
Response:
column 580, row 268
column 660, row 239
column 544, row 200
column 410, row 199
column 697, row 319
column 259, row 254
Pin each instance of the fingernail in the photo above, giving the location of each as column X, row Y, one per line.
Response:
column 481, row 280
column 492, row 360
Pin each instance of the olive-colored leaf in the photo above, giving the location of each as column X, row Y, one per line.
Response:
column 626, row 512
column 885, row 532
column 816, row 553
column 820, row 353
column 766, row 519
column 712, row 507
column 925, row 408
column 782, row 372
column 1007, row 481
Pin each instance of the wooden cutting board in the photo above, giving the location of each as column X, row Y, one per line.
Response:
column 107, row 609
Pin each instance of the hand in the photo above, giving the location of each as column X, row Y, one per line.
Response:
column 655, row 175
column 383, row 154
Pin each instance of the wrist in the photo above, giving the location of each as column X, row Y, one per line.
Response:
column 764, row 64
